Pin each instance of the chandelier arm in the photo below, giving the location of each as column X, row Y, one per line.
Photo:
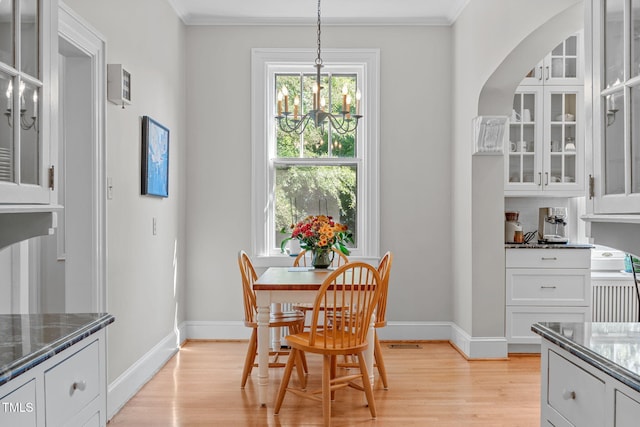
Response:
column 293, row 126
column 344, row 125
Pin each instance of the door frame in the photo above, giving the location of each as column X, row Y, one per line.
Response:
column 76, row 31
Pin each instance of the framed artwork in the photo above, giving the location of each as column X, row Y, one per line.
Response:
column 489, row 134
column 155, row 158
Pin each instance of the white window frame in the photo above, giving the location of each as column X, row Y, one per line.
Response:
column 265, row 64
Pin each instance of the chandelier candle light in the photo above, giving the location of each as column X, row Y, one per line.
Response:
column 343, row 123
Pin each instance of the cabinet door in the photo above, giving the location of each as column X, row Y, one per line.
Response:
column 563, row 137
column 523, row 163
column 564, row 65
column 24, row 83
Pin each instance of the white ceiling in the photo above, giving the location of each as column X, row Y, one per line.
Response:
column 296, row 12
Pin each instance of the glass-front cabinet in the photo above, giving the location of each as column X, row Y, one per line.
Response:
column 546, row 148
column 24, row 80
column 616, row 99
column 564, row 65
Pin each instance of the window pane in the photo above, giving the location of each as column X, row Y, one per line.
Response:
column 29, row 37
column 614, row 36
column 6, row 129
column 29, row 141
column 6, row 33
column 635, row 140
column 614, row 143
column 635, row 38
column 312, row 190
column 322, row 141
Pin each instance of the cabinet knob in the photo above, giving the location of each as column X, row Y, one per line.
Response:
column 548, row 287
column 549, row 258
column 78, row 385
column 568, row 395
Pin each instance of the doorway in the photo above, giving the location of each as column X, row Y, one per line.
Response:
column 73, row 261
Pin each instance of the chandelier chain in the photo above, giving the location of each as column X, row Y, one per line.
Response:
column 318, row 59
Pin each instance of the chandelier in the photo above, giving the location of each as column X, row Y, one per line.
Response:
column 25, row 123
column 293, row 122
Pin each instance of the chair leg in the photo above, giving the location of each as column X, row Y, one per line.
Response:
column 334, row 368
column 300, row 368
column 377, row 352
column 285, row 380
column 326, row 389
column 366, row 384
column 250, row 357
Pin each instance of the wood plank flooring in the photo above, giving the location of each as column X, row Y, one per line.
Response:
column 432, row 385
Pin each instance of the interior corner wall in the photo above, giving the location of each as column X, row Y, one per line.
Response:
column 483, row 35
column 145, row 272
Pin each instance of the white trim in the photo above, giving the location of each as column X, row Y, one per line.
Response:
column 472, row 347
column 137, row 375
column 84, row 37
column 263, row 63
column 478, row 347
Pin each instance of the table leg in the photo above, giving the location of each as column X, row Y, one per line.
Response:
column 276, row 332
column 263, row 352
column 368, row 354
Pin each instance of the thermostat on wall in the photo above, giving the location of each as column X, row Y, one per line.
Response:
column 118, row 85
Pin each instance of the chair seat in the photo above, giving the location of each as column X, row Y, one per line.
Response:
column 325, row 344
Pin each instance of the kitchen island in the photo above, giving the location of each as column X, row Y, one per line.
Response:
column 590, row 374
column 53, row 369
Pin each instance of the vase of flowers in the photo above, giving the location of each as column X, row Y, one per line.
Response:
column 318, row 234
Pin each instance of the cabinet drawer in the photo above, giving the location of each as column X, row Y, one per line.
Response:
column 568, row 287
column 72, row 384
column 574, row 393
column 520, row 318
column 18, row 408
column 548, row 258
column 627, row 410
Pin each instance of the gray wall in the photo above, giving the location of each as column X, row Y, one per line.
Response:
column 145, row 273
column 414, row 160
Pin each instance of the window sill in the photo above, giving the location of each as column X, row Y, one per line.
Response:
column 287, row 261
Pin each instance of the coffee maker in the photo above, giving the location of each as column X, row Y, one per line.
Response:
column 552, row 225
column 512, row 228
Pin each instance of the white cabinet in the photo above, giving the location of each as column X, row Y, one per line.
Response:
column 574, row 393
column 546, row 141
column 545, row 285
column 69, row 389
column 29, row 31
column 614, row 28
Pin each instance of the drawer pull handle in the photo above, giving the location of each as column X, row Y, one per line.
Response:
column 549, row 258
column 548, row 287
column 568, row 395
column 78, row 385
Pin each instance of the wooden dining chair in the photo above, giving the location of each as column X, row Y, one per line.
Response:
column 303, row 259
column 356, row 285
column 294, row 320
column 384, row 269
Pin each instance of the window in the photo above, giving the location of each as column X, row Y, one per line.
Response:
column 319, row 171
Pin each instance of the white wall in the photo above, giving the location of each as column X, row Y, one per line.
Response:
column 145, row 273
column 484, row 35
column 415, row 161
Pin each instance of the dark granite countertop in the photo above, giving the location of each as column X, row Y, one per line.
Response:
column 547, row 246
column 26, row 340
column 613, row 348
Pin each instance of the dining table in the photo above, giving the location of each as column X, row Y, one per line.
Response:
column 278, row 285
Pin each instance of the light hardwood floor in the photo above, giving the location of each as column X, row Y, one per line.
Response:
column 428, row 386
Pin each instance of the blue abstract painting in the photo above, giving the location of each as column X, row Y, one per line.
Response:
column 155, row 158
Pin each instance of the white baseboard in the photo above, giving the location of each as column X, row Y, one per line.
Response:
column 130, row 381
column 216, row 330
column 478, row 347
